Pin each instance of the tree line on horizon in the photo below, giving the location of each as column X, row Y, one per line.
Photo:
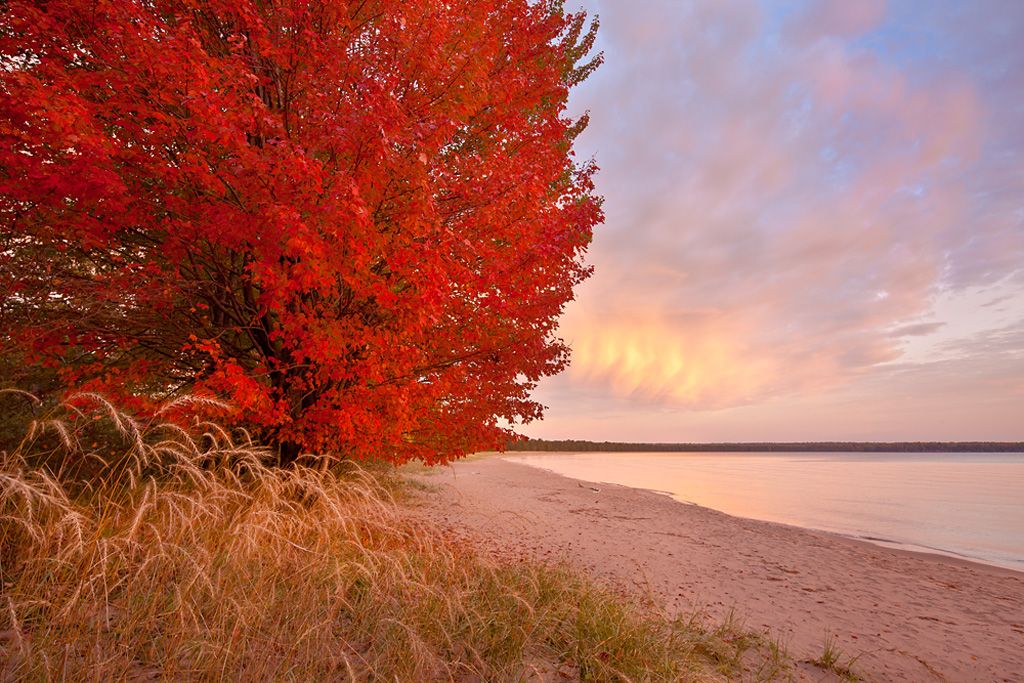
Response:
column 580, row 445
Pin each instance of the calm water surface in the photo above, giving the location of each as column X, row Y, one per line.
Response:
column 962, row 504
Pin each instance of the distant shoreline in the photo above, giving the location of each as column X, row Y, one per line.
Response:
column 576, row 445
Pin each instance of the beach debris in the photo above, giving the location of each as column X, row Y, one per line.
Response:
column 592, row 488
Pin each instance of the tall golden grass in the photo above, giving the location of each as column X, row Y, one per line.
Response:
column 161, row 553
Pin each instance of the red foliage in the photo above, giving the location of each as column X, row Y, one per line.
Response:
column 357, row 221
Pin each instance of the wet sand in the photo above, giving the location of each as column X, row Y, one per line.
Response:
column 905, row 616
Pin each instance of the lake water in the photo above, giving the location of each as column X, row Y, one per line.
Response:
column 962, row 504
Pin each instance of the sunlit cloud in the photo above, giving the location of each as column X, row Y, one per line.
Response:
column 791, row 188
column 648, row 359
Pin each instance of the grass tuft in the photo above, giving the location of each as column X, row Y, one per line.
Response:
column 160, row 552
column 831, row 659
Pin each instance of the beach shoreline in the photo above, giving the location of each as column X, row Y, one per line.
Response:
column 903, row 614
column 897, row 546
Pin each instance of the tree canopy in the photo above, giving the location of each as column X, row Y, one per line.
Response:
column 357, row 221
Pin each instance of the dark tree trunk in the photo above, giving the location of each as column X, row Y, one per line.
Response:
column 287, row 453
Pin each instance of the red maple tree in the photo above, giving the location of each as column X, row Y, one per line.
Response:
column 356, row 220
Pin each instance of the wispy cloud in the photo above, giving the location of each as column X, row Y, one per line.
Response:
column 917, row 329
column 789, row 192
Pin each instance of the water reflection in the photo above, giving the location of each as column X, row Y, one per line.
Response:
column 970, row 505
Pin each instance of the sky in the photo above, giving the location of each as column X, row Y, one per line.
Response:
column 814, row 224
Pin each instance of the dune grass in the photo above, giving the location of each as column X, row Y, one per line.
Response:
column 159, row 553
column 832, row 659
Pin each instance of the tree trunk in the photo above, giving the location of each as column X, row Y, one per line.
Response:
column 287, row 453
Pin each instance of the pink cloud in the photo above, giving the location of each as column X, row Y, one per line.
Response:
column 843, row 18
column 775, row 209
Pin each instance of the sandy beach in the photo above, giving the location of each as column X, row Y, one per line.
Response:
column 904, row 616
